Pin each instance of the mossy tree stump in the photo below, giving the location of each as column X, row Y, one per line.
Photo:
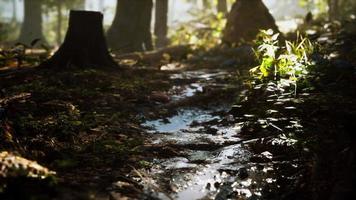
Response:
column 246, row 19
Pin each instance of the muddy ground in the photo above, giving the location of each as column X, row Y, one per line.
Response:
column 198, row 128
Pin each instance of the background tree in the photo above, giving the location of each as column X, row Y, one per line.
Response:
column 222, row 6
column 130, row 30
column 61, row 9
column 161, row 20
column 32, row 24
column 14, row 14
column 206, row 4
column 333, row 9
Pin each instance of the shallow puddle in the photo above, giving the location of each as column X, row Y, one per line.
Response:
column 181, row 121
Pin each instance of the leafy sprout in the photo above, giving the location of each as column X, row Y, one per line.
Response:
column 289, row 61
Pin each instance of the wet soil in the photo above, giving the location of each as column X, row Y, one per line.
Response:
column 215, row 141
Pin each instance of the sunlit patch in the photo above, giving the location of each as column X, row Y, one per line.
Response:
column 16, row 166
column 310, row 32
column 270, row 180
column 244, row 192
column 128, row 62
column 172, row 66
column 268, row 112
column 246, row 183
column 283, row 140
column 287, row 26
column 267, row 154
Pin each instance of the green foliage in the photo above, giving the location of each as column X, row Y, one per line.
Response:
column 205, row 31
column 115, row 146
column 321, row 7
column 289, row 61
column 145, row 164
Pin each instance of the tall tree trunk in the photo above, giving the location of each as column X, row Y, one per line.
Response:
column 80, row 5
column 222, row 6
column 84, row 44
column 206, row 4
column 333, row 9
column 32, row 24
column 101, row 5
column 131, row 28
column 14, row 14
column 161, row 27
column 245, row 20
column 59, row 22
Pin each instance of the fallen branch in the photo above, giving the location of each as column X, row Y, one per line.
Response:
column 155, row 58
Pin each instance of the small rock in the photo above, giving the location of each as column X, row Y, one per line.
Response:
column 166, row 120
column 260, row 167
column 259, row 159
column 229, row 63
column 235, row 110
column 243, row 173
column 159, row 97
column 217, row 185
column 212, row 131
column 208, row 186
column 2, row 114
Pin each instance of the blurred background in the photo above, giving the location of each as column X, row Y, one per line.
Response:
column 55, row 14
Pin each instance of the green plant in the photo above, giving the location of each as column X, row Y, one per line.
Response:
column 289, row 62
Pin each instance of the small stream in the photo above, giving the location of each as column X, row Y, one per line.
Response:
column 215, row 164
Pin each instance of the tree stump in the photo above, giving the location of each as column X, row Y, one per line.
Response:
column 84, row 44
column 246, row 19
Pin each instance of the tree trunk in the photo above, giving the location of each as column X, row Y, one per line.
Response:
column 206, row 4
column 14, row 14
column 161, row 27
column 222, row 6
column 245, row 20
column 80, row 5
column 101, row 5
column 131, row 28
column 84, row 44
column 333, row 9
column 32, row 24
column 59, row 22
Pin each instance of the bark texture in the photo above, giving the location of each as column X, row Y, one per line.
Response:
column 161, row 27
column 130, row 30
column 333, row 9
column 32, row 24
column 222, row 6
column 84, row 44
column 245, row 20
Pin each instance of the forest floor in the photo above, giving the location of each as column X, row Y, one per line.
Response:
column 200, row 128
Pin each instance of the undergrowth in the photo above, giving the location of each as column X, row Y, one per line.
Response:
column 287, row 62
column 204, row 32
